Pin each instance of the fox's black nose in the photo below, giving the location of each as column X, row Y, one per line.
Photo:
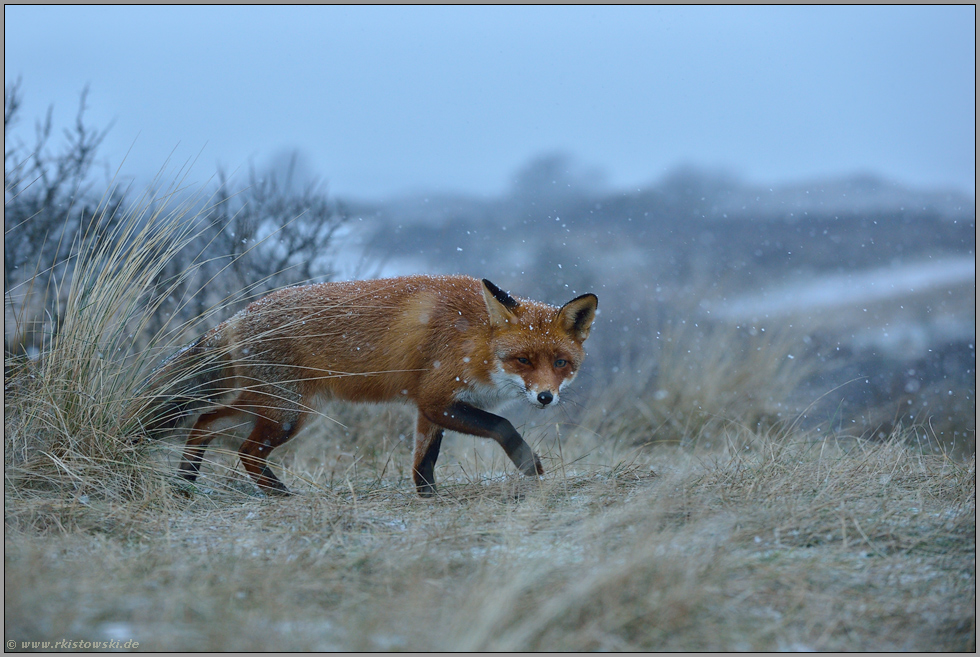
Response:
column 545, row 398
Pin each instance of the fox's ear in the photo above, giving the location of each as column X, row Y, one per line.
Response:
column 500, row 305
column 576, row 316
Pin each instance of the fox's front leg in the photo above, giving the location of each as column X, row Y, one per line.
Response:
column 464, row 418
column 428, row 439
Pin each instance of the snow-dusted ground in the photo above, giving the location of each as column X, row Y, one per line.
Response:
column 857, row 287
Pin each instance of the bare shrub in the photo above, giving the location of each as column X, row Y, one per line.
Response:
column 48, row 211
column 275, row 231
column 271, row 233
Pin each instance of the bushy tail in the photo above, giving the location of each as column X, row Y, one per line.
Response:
column 185, row 383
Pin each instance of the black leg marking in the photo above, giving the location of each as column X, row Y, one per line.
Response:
column 425, row 479
column 476, row 422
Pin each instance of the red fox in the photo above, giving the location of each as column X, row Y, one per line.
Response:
column 453, row 346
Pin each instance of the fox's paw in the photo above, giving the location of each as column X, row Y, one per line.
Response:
column 425, row 481
column 272, row 487
column 531, row 464
column 426, row 490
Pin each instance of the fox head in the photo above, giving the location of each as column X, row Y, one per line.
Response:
column 537, row 348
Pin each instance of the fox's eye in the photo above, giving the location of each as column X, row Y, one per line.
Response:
column 523, row 361
column 561, row 362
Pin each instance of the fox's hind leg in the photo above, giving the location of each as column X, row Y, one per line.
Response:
column 268, row 434
column 198, row 440
column 428, row 439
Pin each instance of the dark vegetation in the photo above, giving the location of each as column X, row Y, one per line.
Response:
column 249, row 236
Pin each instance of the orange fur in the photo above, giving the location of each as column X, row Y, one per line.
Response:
column 450, row 345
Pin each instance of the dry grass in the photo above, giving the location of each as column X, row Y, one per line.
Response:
column 63, row 411
column 702, row 381
column 763, row 545
column 762, row 538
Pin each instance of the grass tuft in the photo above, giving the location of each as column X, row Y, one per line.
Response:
column 64, row 410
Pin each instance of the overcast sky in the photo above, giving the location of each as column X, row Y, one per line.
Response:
column 386, row 100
